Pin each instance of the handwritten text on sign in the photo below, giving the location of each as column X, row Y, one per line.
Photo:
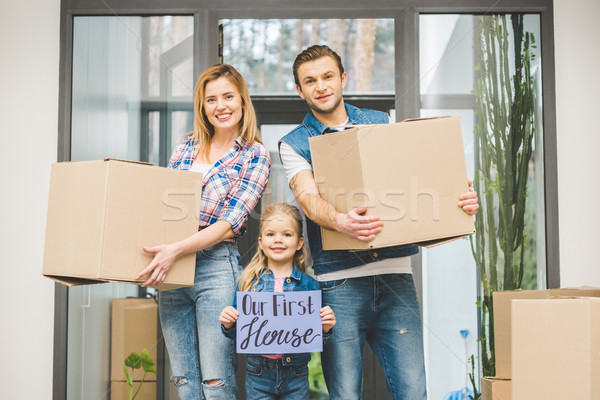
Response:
column 279, row 322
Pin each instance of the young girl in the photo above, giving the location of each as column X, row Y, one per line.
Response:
column 278, row 266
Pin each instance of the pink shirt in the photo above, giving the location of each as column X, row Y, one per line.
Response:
column 278, row 287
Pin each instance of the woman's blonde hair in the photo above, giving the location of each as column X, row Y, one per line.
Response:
column 203, row 129
column 251, row 274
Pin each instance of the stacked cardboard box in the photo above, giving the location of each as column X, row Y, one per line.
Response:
column 134, row 328
column 101, row 214
column 119, row 391
column 495, row 388
column 410, row 174
column 546, row 344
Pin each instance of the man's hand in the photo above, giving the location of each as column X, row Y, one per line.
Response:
column 468, row 201
column 326, row 216
column 358, row 226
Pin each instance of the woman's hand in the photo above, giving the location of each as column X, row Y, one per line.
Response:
column 327, row 318
column 228, row 317
column 164, row 257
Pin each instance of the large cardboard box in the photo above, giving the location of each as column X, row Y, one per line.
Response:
column 134, row 328
column 493, row 388
column 409, row 173
column 101, row 213
column 556, row 349
column 119, row 391
column 503, row 319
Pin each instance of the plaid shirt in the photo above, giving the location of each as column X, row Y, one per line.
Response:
column 232, row 186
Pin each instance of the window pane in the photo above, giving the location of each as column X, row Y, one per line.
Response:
column 278, row 189
column 125, row 68
column 462, row 57
column 264, row 51
column 446, row 54
column 165, row 35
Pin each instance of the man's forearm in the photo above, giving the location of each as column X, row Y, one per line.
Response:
column 319, row 211
column 325, row 215
column 313, row 205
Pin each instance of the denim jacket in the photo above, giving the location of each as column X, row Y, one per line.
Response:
column 335, row 260
column 297, row 281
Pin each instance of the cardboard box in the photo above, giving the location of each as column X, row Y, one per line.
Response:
column 556, row 349
column 502, row 319
column 134, row 328
column 101, row 213
column 493, row 388
column 410, row 174
column 119, row 391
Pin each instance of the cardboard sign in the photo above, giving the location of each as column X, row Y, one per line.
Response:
column 279, row 322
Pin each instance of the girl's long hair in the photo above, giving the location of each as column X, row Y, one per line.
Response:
column 251, row 274
column 203, row 129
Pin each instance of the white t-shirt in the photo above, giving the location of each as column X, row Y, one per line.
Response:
column 294, row 163
column 201, row 167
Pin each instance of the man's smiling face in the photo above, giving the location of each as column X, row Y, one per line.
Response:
column 321, row 85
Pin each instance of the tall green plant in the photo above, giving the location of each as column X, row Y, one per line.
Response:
column 504, row 131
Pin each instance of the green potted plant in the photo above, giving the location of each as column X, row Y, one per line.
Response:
column 504, row 132
column 135, row 361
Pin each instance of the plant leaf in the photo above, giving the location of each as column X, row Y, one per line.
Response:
column 147, row 362
column 133, row 361
column 128, row 376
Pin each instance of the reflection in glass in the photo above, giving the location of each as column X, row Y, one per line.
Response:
column 125, row 68
column 264, row 50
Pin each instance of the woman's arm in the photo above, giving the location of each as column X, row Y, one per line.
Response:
column 166, row 254
column 241, row 199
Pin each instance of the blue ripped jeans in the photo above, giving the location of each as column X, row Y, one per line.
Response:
column 384, row 311
column 189, row 317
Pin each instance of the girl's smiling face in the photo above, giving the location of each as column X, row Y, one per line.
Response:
column 223, row 105
column 279, row 239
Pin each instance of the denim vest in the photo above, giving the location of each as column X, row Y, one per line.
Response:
column 297, row 281
column 334, row 260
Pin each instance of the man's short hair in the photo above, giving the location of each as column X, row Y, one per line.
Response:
column 313, row 53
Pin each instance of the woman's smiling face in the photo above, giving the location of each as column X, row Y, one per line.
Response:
column 223, row 105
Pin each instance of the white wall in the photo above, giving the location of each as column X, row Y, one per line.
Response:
column 29, row 37
column 577, row 28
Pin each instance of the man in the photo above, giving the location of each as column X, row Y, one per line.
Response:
column 371, row 292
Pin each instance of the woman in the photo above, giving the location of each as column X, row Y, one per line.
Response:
column 225, row 146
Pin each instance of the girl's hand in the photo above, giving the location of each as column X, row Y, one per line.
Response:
column 228, row 317
column 327, row 318
column 164, row 257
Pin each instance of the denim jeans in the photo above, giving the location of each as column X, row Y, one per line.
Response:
column 189, row 317
column 270, row 379
column 384, row 311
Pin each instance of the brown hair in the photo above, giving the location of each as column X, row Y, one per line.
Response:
column 203, row 130
column 258, row 264
column 313, row 53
